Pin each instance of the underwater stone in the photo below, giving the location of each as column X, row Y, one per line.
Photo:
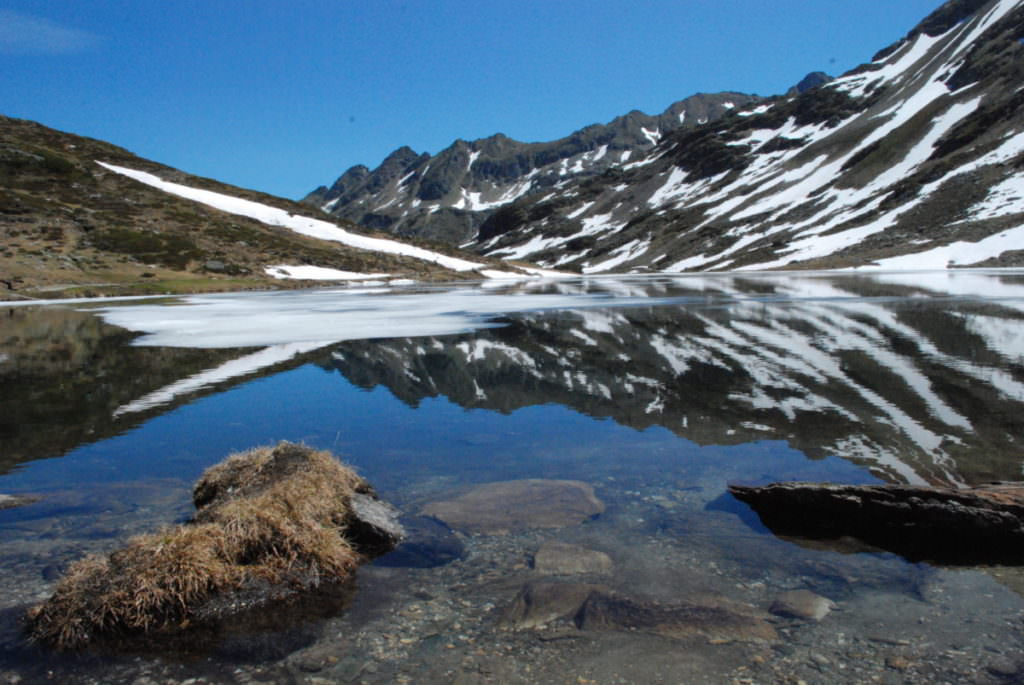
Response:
column 556, row 558
column 608, row 611
column 507, row 506
column 802, row 604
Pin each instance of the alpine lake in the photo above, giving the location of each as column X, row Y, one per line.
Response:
column 655, row 390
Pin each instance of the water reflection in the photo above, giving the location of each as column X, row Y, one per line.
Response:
column 921, row 391
column 921, row 378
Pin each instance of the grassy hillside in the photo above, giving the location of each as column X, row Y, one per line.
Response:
column 69, row 227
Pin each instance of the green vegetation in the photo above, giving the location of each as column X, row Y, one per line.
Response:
column 168, row 250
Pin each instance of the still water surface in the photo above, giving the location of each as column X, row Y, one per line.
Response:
column 658, row 391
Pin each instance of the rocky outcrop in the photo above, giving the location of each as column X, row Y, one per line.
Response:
column 449, row 195
column 272, row 525
column 984, row 524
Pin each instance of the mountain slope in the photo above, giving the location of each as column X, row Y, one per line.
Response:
column 913, row 160
column 70, row 225
column 449, row 195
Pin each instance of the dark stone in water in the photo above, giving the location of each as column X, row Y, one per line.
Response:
column 52, row 572
column 540, row 602
column 984, row 524
column 428, row 543
column 608, row 611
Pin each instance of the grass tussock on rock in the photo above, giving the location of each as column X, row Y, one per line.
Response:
column 270, row 523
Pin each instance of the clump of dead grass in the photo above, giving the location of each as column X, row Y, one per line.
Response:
column 266, row 518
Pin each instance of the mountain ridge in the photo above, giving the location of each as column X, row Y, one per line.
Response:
column 908, row 161
column 446, row 196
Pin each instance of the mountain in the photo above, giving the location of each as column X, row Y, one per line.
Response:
column 448, row 196
column 913, row 160
column 83, row 217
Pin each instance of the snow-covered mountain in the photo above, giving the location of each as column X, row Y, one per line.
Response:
column 912, row 160
column 449, row 195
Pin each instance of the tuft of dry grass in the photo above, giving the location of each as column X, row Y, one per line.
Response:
column 268, row 517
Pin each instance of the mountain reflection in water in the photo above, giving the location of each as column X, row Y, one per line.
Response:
column 920, row 377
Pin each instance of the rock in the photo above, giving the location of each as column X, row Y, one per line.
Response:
column 556, row 558
column 897, row 662
column 507, row 506
column 428, row 543
column 373, row 526
column 269, row 542
column 542, row 601
column 214, row 265
column 984, row 524
column 802, row 604
column 1004, row 667
column 12, row 501
column 606, row 611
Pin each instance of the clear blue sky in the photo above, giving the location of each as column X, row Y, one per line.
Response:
column 284, row 96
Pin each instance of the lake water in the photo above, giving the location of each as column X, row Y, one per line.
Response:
column 658, row 391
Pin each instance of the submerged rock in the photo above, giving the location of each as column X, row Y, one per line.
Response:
column 427, row 543
column 508, row 506
column 272, row 524
column 540, row 602
column 802, row 604
column 606, row 611
column 556, row 558
column 983, row 524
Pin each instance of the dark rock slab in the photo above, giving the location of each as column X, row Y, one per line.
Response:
column 427, row 543
column 514, row 505
column 540, row 602
column 607, row 611
column 984, row 524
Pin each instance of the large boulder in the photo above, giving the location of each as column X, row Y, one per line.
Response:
column 983, row 524
column 271, row 524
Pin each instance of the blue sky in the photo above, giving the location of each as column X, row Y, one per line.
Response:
column 284, row 96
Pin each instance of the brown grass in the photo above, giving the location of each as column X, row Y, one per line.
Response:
column 269, row 516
